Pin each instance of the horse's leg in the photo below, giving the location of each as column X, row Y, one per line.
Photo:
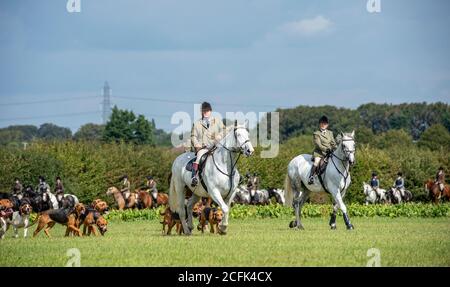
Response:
column 217, row 197
column 300, row 198
column 192, row 200
column 182, row 210
column 338, row 199
column 333, row 215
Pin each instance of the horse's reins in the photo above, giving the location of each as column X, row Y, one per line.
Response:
column 233, row 165
column 345, row 176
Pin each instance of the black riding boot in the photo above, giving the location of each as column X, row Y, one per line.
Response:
column 311, row 175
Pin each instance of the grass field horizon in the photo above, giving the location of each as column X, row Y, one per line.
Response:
column 249, row 242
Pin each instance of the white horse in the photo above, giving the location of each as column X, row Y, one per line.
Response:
column 336, row 180
column 242, row 195
column 373, row 196
column 261, row 196
column 51, row 199
column 220, row 177
column 278, row 194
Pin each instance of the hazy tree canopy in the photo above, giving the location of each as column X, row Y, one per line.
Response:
column 52, row 131
column 435, row 137
column 124, row 126
column 413, row 118
column 89, row 132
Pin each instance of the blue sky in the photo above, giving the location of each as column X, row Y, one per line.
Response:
column 256, row 54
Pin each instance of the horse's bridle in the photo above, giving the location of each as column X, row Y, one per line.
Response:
column 343, row 160
column 240, row 149
column 231, row 151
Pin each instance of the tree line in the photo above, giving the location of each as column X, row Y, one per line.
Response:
column 123, row 125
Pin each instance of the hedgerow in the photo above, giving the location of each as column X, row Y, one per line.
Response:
column 308, row 211
column 89, row 168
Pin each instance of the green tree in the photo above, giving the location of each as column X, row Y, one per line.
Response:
column 124, row 126
column 143, row 131
column 435, row 137
column 393, row 138
column 50, row 131
column 89, row 132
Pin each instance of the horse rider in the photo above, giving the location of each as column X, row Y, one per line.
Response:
column 324, row 145
column 375, row 184
column 205, row 133
column 17, row 188
column 43, row 186
column 59, row 190
column 151, row 187
column 125, row 188
column 440, row 179
column 399, row 184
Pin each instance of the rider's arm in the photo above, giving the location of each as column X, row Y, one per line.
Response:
column 194, row 138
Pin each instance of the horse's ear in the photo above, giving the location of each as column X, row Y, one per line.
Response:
column 247, row 124
column 353, row 134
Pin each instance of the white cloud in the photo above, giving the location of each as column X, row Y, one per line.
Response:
column 307, row 27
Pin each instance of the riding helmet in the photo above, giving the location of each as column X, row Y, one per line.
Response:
column 149, row 177
column 441, row 168
column 374, row 174
column 206, row 107
column 58, row 178
column 323, row 119
column 400, row 173
column 41, row 178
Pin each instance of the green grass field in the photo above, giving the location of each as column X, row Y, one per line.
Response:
column 250, row 242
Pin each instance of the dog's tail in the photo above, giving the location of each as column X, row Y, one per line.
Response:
column 37, row 218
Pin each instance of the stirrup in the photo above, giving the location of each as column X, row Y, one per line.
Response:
column 311, row 179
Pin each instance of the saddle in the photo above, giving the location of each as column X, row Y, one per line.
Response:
column 189, row 165
column 201, row 165
column 322, row 164
column 321, row 169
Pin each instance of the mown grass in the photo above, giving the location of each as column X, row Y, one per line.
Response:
column 250, row 242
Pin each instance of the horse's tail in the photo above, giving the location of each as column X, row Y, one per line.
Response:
column 169, row 178
column 173, row 195
column 289, row 194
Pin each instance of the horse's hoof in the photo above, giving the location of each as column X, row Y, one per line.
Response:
column 350, row 227
column 333, row 226
column 222, row 230
column 292, row 224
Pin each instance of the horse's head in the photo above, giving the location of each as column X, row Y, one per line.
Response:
column 347, row 142
column 243, row 139
column 111, row 190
